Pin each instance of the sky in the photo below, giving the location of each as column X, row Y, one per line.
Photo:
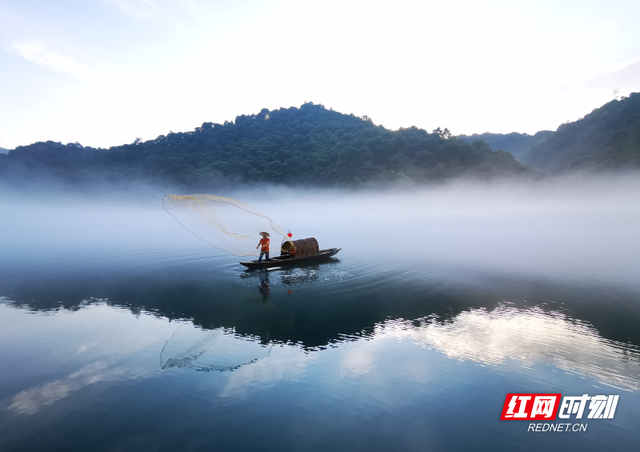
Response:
column 105, row 72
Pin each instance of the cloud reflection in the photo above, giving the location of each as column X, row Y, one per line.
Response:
column 31, row 401
column 286, row 363
column 530, row 336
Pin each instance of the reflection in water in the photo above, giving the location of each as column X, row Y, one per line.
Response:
column 293, row 276
column 142, row 326
column 288, row 276
column 217, row 350
column 286, row 363
column 32, row 400
column 525, row 336
column 400, row 371
column 530, row 336
column 264, row 288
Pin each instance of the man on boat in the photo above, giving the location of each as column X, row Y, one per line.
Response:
column 264, row 243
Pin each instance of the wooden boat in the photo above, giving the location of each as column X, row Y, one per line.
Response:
column 288, row 259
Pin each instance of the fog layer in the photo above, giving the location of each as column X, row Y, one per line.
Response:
column 575, row 227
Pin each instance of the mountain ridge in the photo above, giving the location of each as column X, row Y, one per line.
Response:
column 309, row 145
column 608, row 138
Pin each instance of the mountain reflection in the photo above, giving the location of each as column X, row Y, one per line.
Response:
column 505, row 336
column 318, row 305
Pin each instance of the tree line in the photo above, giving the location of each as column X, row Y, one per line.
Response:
column 608, row 138
column 310, row 145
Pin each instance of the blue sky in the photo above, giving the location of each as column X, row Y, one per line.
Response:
column 104, row 72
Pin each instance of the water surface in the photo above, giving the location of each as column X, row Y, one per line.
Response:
column 119, row 333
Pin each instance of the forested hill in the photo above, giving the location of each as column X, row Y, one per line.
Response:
column 608, row 138
column 310, row 145
column 518, row 144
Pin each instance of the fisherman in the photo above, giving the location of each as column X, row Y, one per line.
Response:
column 264, row 243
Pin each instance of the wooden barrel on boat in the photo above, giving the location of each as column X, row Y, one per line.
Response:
column 306, row 247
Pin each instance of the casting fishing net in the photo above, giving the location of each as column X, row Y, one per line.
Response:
column 224, row 223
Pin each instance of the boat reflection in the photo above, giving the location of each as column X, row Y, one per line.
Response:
column 288, row 277
column 316, row 305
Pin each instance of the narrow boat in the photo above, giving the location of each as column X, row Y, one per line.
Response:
column 288, row 259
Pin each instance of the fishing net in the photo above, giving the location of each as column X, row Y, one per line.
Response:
column 224, row 223
column 216, row 350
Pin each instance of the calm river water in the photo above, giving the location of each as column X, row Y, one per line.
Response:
column 120, row 332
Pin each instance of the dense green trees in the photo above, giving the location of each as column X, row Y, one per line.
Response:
column 608, row 138
column 517, row 144
column 315, row 146
column 310, row 145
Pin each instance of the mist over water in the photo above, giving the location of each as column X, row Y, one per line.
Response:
column 441, row 298
column 573, row 227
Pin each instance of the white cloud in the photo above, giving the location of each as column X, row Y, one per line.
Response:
column 39, row 54
column 161, row 11
column 140, row 9
column 172, row 64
